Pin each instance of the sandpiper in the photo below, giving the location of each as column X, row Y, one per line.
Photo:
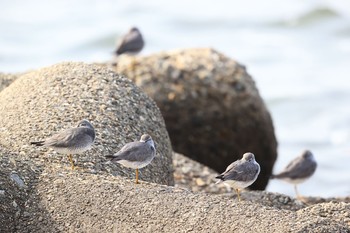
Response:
column 130, row 43
column 241, row 173
column 298, row 170
column 136, row 155
column 71, row 141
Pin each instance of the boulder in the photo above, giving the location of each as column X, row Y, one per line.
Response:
column 51, row 99
column 210, row 104
column 64, row 201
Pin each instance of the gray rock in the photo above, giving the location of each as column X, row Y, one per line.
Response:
column 15, row 177
column 51, row 99
column 211, row 106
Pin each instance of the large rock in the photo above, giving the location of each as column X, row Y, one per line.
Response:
column 64, row 201
column 51, row 99
column 211, row 106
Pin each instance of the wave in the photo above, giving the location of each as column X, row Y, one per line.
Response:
column 314, row 16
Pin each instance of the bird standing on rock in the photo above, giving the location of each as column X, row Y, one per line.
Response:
column 241, row 173
column 71, row 141
column 298, row 170
column 131, row 43
column 136, row 155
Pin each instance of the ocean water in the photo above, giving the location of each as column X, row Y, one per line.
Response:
column 298, row 52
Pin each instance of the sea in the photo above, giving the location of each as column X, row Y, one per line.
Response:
column 297, row 51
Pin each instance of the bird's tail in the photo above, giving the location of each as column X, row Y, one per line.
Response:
column 113, row 158
column 40, row 143
column 220, row 177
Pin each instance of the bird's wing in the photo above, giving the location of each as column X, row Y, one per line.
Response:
column 294, row 163
column 242, row 171
column 131, row 42
column 232, row 166
column 134, row 151
column 71, row 137
column 298, row 168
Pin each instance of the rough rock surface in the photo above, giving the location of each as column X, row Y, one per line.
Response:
column 6, row 79
column 51, row 99
column 77, row 201
column 196, row 177
column 12, row 195
column 317, row 200
column 211, row 106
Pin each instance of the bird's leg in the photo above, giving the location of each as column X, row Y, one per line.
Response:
column 239, row 197
column 137, row 176
column 70, row 157
column 299, row 197
column 296, row 192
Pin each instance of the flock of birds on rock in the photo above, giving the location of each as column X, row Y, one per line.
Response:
column 239, row 174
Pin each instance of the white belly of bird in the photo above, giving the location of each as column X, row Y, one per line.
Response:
column 294, row 181
column 77, row 150
column 238, row 184
column 134, row 164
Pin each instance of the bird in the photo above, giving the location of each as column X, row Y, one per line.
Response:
column 131, row 43
column 241, row 173
column 136, row 155
column 71, row 141
column 298, row 170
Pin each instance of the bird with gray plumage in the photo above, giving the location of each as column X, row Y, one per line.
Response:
column 298, row 170
column 71, row 141
column 136, row 155
column 130, row 43
column 241, row 173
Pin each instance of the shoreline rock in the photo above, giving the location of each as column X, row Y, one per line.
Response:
column 67, row 201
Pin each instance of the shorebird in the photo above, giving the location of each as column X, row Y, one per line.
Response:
column 71, row 141
column 136, row 155
column 131, row 43
column 298, row 170
column 241, row 173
